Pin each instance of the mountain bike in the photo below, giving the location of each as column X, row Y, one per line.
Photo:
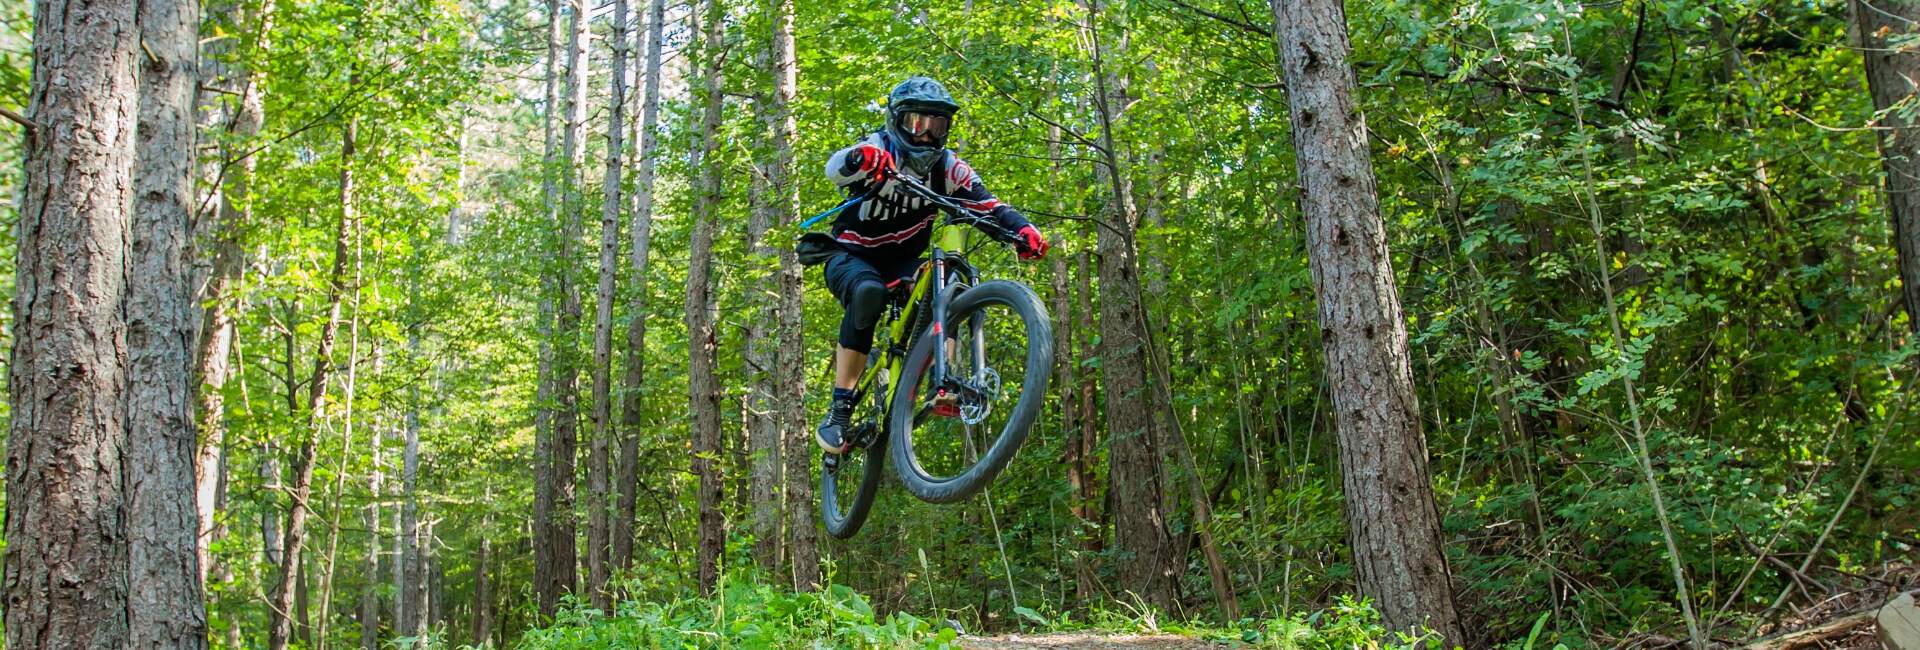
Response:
column 957, row 375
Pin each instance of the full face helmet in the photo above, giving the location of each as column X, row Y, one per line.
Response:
column 919, row 116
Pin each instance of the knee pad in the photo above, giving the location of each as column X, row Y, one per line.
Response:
column 868, row 300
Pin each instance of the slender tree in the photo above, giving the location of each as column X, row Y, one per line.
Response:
column 410, row 604
column 702, row 309
column 634, row 378
column 552, row 575
column 370, row 562
column 1393, row 522
column 765, row 417
column 599, row 505
column 212, row 360
column 482, row 632
column 790, row 382
column 566, row 385
column 1134, row 472
column 282, row 599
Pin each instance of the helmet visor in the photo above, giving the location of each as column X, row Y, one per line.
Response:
column 925, row 127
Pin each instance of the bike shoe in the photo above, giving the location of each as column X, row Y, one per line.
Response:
column 832, row 433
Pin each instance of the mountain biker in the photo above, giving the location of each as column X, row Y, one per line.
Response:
column 882, row 235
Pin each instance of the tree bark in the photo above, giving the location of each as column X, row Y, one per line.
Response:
column 302, row 615
column 551, row 578
column 280, row 625
column 556, row 556
column 1092, row 541
column 435, row 605
column 166, row 607
column 482, row 633
column 566, row 384
column 765, row 417
column 1393, row 521
column 66, row 556
column 702, row 311
column 410, row 605
column 330, row 569
column 599, row 505
column 1078, row 451
column 1134, row 474
column 1891, row 72
column 790, row 378
column 642, row 235
column 370, row 562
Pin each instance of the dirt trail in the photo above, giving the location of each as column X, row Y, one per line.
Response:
column 1087, row 641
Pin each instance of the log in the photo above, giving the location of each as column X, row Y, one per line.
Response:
column 1828, row 631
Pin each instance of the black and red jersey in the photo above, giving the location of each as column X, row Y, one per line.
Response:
column 892, row 223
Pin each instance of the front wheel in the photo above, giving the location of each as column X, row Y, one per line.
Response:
column 999, row 359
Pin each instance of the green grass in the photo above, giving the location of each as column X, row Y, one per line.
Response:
column 744, row 615
column 750, row 615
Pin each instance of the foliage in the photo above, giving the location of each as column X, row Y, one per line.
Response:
column 744, row 615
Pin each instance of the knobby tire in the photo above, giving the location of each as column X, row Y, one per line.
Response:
column 1038, row 370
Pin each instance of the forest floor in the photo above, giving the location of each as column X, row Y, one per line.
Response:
column 1086, row 641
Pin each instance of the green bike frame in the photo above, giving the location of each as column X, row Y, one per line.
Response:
column 931, row 282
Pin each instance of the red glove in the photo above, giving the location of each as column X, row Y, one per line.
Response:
column 1032, row 245
column 874, row 162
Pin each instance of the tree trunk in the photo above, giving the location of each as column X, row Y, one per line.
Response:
column 346, row 454
column 599, row 506
column 1891, row 71
column 551, row 577
column 410, row 614
column 566, row 384
column 790, row 381
column 764, row 415
column 302, row 618
column 270, row 545
column 166, row 605
column 280, row 626
column 370, row 562
column 212, row 366
column 66, row 556
column 1092, row 539
column 482, row 633
column 1393, row 522
column 1134, row 474
column 642, row 234
column 702, row 312
column 435, row 601
column 1078, row 452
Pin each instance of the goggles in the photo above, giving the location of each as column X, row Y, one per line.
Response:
column 916, row 124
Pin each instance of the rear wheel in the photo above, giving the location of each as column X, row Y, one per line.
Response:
column 999, row 358
column 849, row 481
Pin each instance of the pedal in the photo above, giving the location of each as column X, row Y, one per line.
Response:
column 946, row 404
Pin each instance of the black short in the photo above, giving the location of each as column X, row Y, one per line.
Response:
column 847, row 270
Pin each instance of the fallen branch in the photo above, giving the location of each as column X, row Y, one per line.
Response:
column 1828, row 631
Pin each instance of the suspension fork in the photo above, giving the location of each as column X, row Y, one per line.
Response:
column 938, row 377
column 976, row 326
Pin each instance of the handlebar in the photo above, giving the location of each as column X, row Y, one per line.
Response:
column 957, row 213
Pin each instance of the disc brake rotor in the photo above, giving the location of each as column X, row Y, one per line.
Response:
column 977, row 402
